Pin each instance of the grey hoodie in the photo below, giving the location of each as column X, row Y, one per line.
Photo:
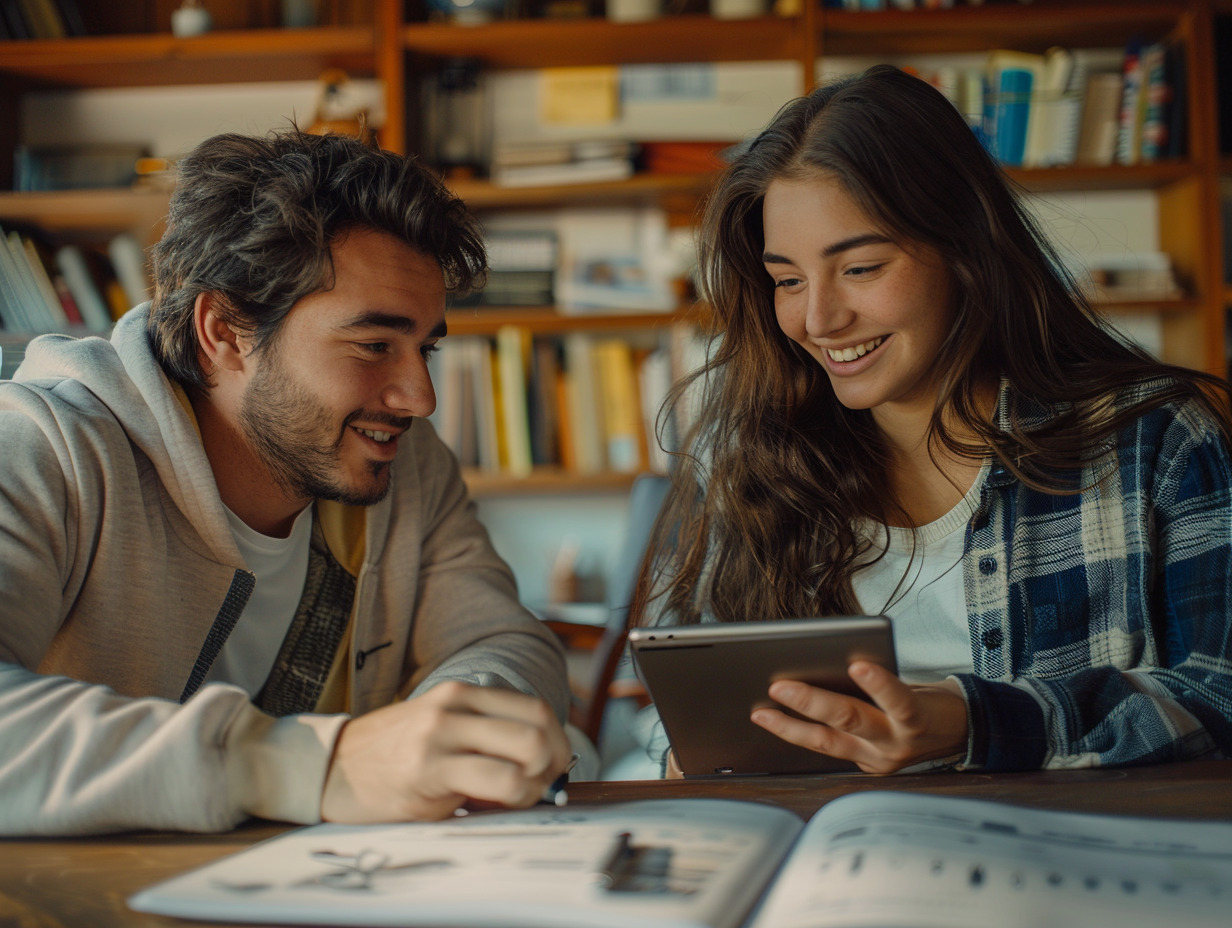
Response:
column 116, row 563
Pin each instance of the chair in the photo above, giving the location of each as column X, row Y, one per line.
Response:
column 606, row 643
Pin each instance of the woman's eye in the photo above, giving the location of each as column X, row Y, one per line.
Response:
column 863, row 271
column 788, row 282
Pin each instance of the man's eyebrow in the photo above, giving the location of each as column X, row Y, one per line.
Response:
column 404, row 325
column 869, row 238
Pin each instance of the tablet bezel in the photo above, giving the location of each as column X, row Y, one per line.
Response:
column 706, row 679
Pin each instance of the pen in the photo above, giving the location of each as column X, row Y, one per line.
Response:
column 616, row 859
column 555, row 794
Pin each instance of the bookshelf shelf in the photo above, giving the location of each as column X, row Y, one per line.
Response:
column 1110, row 177
column 546, row 320
column 62, row 211
column 219, row 57
column 545, row 480
column 545, row 43
column 481, row 194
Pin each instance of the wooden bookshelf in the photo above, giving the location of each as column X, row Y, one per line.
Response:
column 384, row 41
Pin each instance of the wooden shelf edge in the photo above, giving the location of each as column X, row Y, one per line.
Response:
column 545, row 480
column 482, row 194
column 220, row 44
column 1077, row 177
column 163, row 59
column 546, row 320
column 138, row 210
column 541, row 43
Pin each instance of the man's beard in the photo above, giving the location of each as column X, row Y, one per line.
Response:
column 288, row 429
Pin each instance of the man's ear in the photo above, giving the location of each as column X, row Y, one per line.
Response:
column 222, row 347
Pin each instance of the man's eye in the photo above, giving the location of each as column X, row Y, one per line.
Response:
column 428, row 350
column 375, row 347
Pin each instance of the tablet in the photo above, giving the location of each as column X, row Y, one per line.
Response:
column 706, row 679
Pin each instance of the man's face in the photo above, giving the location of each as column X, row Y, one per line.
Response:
column 347, row 371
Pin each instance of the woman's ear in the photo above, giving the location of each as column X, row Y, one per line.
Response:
column 222, row 347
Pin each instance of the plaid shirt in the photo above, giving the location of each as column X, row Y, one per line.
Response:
column 1100, row 621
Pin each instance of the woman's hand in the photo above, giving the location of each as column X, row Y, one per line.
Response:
column 907, row 724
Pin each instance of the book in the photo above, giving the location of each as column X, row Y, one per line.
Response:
column 1129, row 119
column 513, row 358
column 484, row 390
column 129, row 261
column 521, row 269
column 70, row 15
column 654, row 382
column 1052, row 121
column 1155, row 103
column 12, row 311
column 27, row 309
column 543, row 408
column 71, row 262
column 624, row 435
column 1097, row 134
column 1012, row 78
column 868, row 858
column 56, row 315
column 43, row 19
column 587, row 171
column 584, row 406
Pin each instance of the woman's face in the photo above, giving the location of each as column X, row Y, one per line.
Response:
column 871, row 312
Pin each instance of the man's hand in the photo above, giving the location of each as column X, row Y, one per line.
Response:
column 423, row 758
column 908, row 724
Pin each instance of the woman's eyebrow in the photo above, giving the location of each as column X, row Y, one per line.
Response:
column 868, row 238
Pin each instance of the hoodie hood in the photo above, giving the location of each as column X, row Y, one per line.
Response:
column 123, row 375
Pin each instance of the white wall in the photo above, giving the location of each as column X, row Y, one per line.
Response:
column 171, row 120
column 528, row 532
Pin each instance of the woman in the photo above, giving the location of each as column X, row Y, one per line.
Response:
column 911, row 411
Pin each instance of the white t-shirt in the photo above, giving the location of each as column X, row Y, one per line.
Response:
column 281, row 567
column 922, row 591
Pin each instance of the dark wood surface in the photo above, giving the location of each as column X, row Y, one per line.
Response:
column 84, row 882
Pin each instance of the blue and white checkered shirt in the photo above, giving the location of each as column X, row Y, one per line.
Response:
column 1100, row 621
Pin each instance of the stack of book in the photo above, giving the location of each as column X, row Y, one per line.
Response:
column 521, row 269
column 551, row 163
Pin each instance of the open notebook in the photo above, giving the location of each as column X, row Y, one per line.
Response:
column 866, row 859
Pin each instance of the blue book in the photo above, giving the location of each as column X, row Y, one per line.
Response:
column 1011, row 101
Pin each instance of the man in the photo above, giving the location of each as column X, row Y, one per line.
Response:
column 231, row 548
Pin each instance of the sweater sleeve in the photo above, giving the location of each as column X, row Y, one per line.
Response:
column 469, row 624
column 1150, row 687
column 80, row 757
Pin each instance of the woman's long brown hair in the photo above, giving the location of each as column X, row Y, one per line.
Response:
column 775, row 473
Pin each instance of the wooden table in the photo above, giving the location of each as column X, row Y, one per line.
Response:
column 83, row 883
